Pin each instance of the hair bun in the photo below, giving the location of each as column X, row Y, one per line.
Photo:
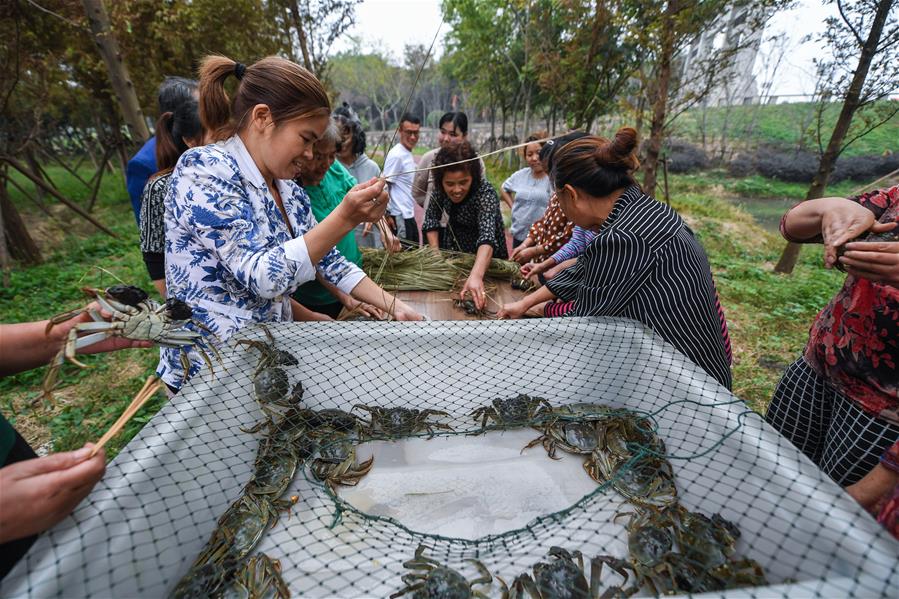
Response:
column 625, row 142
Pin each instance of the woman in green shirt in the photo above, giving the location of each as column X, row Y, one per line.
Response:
column 326, row 181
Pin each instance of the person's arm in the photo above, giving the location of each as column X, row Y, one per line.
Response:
column 217, row 216
column 474, row 284
column 420, row 180
column 348, row 301
column 833, row 221
column 301, row 313
column 433, row 239
column 369, row 292
column 518, row 309
column 507, row 189
column 575, row 246
column 507, row 198
column 40, row 492
column 532, row 270
column 28, row 345
column 879, row 481
column 431, row 220
column 528, row 242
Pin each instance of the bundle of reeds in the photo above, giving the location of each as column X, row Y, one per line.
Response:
column 423, row 269
column 419, row 269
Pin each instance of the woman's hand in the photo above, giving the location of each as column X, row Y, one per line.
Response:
column 474, row 286
column 532, row 269
column 528, row 254
column 512, row 311
column 873, row 486
column 40, row 492
column 403, row 312
column 528, row 242
column 364, row 202
column 877, row 261
column 843, row 221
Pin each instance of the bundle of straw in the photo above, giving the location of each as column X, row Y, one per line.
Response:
column 423, row 269
column 419, row 269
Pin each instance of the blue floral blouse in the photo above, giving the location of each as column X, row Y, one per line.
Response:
column 228, row 252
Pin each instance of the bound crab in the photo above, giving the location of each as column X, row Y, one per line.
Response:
column 134, row 316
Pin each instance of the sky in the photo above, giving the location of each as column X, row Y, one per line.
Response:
column 391, row 24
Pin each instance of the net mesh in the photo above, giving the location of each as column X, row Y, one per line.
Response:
column 464, row 494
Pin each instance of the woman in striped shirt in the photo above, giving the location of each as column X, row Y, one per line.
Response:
column 644, row 263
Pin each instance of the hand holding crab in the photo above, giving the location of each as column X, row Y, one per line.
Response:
column 132, row 317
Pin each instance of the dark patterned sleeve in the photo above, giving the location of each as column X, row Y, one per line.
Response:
column 890, row 458
column 488, row 209
column 431, row 220
column 879, row 200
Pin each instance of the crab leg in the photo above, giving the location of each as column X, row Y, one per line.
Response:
column 86, row 340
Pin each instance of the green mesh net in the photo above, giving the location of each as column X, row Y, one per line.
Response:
column 609, row 465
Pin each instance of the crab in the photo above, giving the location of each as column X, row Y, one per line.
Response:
column 336, row 464
column 563, row 578
column 517, row 411
column 399, row 422
column 429, row 578
column 134, row 316
column 675, row 550
column 241, row 527
column 645, row 480
column 269, row 355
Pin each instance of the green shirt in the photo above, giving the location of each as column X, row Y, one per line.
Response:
column 325, row 197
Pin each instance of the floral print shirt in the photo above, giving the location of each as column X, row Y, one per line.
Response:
column 854, row 341
column 553, row 229
column 228, row 252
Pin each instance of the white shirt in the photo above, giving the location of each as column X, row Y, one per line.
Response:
column 399, row 188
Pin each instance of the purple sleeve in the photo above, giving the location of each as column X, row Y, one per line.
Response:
column 580, row 238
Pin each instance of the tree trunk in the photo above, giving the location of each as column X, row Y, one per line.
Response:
column 301, row 33
column 16, row 236
column 835, row 146
column 115, row 66
column 660, row 102
column 31, row 161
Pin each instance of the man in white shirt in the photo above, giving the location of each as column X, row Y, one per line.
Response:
column 398, row 169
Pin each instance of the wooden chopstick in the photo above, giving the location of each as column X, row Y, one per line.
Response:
column 151, row 386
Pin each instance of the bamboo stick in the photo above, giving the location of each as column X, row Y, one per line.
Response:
column 151, row 386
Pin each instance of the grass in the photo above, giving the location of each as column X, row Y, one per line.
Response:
column 88, row 401
column 769, row 314
column 783, row 125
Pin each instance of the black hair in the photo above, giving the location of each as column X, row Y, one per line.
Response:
column 548, row 151
column 175, row 90
column 463, row 151
column 597, row 165
column 172, row 129
column 458, row 119
column 356, row 130
column 410, row 118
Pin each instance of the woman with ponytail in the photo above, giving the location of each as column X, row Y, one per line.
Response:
column 644, row 263
column 176, row 132
column 240, row 234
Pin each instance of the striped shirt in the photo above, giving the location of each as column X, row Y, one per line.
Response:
column 580, row 237
column 646, row 265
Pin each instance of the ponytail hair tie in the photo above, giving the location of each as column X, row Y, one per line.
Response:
column 239, row 70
